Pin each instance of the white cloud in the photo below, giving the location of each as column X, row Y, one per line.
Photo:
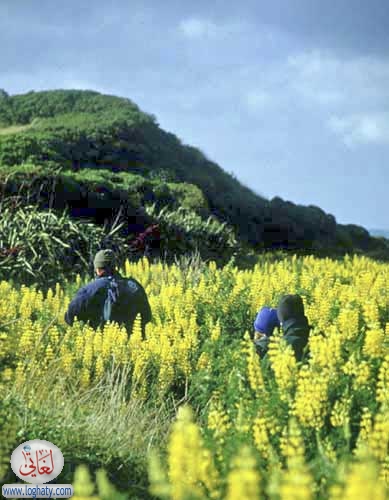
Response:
column 348, row 95
column 351, row 93
column 196, row 28
column 361, row 128
column 329, row 80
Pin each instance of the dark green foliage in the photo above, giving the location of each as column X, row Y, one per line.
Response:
column 183, row 231
column 303, row 227
column 65, row 188
column 82, row 132
column 25, row 107
column 40, row 246
column 44, row 247
column 79, row 129
column 188, row 196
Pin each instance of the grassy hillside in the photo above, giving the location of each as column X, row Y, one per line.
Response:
column 83, row 132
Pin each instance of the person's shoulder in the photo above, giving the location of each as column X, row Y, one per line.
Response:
column 93, row 286
column 132, row 285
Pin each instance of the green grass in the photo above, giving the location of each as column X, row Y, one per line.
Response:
column 101, row 426
column 15, row 129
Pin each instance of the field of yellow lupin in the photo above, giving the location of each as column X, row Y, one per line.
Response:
column 243, row 428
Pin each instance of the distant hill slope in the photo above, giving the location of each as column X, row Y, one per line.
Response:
column 80, row 130
column 379, row 233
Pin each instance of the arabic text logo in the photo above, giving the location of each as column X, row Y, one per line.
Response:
column 37, row 461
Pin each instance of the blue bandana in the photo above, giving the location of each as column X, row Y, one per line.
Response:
column 266, row 321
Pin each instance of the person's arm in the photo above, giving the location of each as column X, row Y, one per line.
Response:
column 145, row 311
column 262, row 345
column 138, row 303
column 297, row 343
column 77, row 307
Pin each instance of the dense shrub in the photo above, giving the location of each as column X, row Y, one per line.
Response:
column 44, row 247
column 184, row 231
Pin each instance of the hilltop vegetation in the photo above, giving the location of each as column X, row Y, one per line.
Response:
column 106, row 147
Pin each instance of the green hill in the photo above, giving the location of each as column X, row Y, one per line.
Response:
column 82, row 145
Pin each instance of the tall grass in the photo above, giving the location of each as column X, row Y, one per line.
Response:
column 102, row 426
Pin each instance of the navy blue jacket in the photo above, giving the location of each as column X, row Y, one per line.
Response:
column 296, row 334
column 88, row 304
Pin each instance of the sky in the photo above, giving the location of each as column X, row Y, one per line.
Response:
column 291, row 96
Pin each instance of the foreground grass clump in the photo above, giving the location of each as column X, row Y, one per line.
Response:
column 191, row 412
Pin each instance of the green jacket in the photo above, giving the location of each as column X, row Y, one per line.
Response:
column 296, row 334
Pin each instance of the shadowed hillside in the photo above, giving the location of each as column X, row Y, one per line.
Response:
column 93, row 153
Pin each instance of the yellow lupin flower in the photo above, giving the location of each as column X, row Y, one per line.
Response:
column 203, row 362
column 20, row 375
column 185, row 455
column 379, row 436
column 362, row 375
column 363, row 482
column 49, row 354
column 83, row 485
column 371, row 313
column 261, row 437
column 340, row 416
column 218, row 420
column 209, row 475
column 297, row 482
column 159, row 483
column 284, row 365
column 346, row 303
column 383, row 382
column 216, row 331
column 348, row 322
column 254, row 372
column 365, row 429
column 99, row 369
column 325, row 350
column 311, row 397
column 373, row 344
column 243, row 479
column 85, row 377
column 67, row 359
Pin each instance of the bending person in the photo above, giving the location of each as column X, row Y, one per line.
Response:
column 294, row 324
column 264, row 325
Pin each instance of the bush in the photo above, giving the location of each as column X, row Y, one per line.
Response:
column 43, row 247
column 188, row 196
column 183, row 231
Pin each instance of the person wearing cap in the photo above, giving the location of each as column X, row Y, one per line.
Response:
column 109, row 297
column 294, row 325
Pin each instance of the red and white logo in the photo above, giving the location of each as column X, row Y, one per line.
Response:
column 37, row 461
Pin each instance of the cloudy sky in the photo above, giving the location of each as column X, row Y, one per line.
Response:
column 292, row 96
